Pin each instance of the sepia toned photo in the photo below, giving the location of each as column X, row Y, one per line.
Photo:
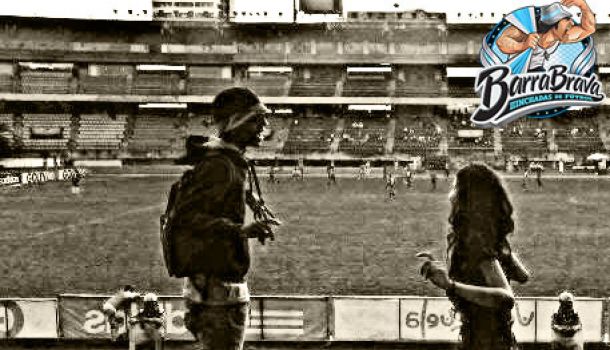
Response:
column 304, row 174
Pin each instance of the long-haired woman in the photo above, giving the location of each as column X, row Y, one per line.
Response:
column 480, row 262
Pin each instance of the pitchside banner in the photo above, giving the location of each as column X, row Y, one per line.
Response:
column 360, row 319
column 81, row 317
column 285, row 318
column 590, row 312
column 433, row 319
column 28, row 318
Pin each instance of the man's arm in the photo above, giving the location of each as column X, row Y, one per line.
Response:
column 514, row 41
column 587, row 25
column 214, row 179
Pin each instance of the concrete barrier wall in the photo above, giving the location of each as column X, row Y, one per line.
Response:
column 305, row 318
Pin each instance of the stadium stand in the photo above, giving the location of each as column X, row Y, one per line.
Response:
column 372, row 86
column 525, row 137
column 46, row 82
column 157, row 135
column 199, row 124
column 6, row 127
column 416, row 136
column 268, row 80
column 464, row 138
column 207, row 86
column 364, row 137
column 105, row 79
column 461, row 87
column 580, row 137
column 100, row 132
column 158, row 80
column 157, row 84
column 208, row 80
column 464, row 41
column 315, row 82
column 310, row 135
column 418, row 81
column 46, row 132
column 6, row 77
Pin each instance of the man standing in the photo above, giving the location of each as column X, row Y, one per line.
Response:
column 408, row 178
column 330, row 173
column 390, row 186
column 216, row 293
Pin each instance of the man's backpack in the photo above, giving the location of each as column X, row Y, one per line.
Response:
column 167, row 228
column 184, row 252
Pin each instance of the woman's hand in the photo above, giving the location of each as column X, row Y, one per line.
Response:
column 435, row 271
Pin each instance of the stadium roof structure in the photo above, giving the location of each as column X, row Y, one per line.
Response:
column 489, row 12
column 117, row 10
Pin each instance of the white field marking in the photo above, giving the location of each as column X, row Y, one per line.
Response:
column 96, row 221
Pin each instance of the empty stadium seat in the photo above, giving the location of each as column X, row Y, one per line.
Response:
column 46, row 82
column 157, row 84
column 163, row 135
column 57, row 125
column 100, row 132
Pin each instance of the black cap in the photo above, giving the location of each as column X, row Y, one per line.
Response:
column 235, row 100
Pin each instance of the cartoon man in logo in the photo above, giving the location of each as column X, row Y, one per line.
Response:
column 538, row 61
column 554, row 25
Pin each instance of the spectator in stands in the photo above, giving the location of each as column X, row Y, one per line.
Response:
column 480, row 262
column 216, row 293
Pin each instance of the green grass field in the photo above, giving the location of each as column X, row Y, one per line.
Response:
column 335, row 240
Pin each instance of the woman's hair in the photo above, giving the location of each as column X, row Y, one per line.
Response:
column 480, row 220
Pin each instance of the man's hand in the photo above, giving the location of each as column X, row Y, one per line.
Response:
column 532, row 40
column 570, row 3
column 435, row 271
column 259, row 229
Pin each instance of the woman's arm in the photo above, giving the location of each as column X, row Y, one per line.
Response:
column 517, row 271
column 497, row 292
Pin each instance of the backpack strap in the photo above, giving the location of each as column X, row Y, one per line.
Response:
column 252, row 178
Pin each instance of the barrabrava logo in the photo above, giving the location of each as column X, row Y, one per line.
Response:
column 538, row 62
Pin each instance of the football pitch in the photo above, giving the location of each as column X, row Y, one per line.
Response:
column 346, row 239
